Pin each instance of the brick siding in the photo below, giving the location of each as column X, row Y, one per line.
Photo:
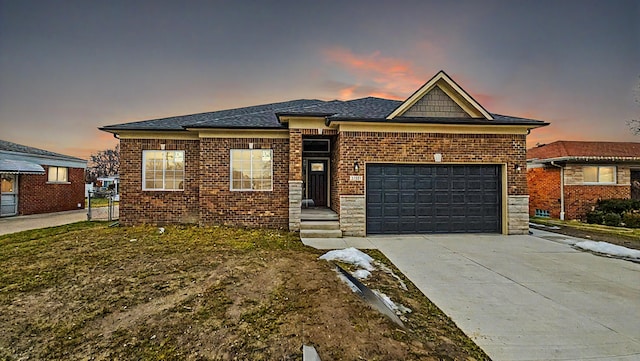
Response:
column 544, row 190
column 220, row 205
column 157, row 207
column 580, row 199
column 376, row 147
column 35, row 195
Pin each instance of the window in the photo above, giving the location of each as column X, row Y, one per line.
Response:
column 163, row 170
column 58, row 174
column 599, row 174
column 251, row 169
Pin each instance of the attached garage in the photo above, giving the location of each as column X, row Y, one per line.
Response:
column 428, row 198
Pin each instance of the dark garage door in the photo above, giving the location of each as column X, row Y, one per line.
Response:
column 420, row 198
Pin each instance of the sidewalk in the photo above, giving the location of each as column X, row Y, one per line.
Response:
column 34, row 221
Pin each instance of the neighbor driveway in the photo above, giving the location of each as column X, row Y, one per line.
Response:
column 524, row 297
column 35, row 221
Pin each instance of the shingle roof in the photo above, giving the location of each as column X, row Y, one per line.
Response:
column 266, row 116
column 19, row 148
column 581, row 149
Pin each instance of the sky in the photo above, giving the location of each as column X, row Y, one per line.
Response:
column 69, row 67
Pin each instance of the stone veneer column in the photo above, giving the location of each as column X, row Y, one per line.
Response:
column 352, row 215
column 518, row 214
column 295, row 204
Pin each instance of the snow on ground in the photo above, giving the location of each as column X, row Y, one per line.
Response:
column 397, row 308
column 361, row 274
column 350, row 255
column 609, row 249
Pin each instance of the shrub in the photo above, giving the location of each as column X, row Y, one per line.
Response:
column 631, row 220
column 618, row 206
column 595, row 217
column 612, row 219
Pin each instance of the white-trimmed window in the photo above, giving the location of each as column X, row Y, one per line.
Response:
column 251, row 169
column 599, row 174
column 58, row 175
column 162, row 170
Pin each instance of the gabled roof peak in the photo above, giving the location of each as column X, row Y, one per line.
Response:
column 443, row 81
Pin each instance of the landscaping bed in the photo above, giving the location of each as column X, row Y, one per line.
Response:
column 88, row 291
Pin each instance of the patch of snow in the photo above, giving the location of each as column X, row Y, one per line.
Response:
column 388, row 270
column 397, row 308
column 350, row 255
column 609, row 249
column 361, row 274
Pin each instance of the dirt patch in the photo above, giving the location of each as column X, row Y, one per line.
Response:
column 91, row 292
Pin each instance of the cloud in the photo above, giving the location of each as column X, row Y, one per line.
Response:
column 375, row 74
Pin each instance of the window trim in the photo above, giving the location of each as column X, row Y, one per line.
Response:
column 164, row 168
column 231, row 151
column 57, row 181
column 598, row 182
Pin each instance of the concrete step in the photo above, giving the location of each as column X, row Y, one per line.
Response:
column 328, row 225
column 320, row 233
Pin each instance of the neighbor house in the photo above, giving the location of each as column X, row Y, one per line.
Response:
column 437, row 162
column 567, row 178
column 39, row 181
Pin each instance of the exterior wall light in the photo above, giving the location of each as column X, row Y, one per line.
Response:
column 356, row 166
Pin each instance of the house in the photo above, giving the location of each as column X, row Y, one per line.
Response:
column 437, row 162
column 566, row 178
column 111, row 184
column 39, row 181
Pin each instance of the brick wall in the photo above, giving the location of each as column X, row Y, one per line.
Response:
column 157, row 207
column 35, row 195
column 220, row 205
column 544, row 190
column 334, row 193
column 580, row 199
column 376, row 147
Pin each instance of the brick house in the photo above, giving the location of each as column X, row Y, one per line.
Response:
column 39, row 181
column 567, row 178
column 437, row 162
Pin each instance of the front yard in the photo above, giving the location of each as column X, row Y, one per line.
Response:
column 87, row 291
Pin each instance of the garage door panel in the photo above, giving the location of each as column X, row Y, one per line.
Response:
column 420, row 198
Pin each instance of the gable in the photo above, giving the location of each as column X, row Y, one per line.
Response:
column 436, row 103
column 442, row 97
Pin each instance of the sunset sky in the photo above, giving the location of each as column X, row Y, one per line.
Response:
column 68, row 67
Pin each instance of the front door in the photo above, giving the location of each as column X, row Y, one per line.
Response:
column 317, row 181
column 9, row 195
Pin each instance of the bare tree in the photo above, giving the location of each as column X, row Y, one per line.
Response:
column 103, row 164
column 634, row 124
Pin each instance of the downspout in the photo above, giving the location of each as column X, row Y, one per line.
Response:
column 553, row 163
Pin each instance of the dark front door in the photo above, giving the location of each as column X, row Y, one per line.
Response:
column 317, row 181
column 425, row 198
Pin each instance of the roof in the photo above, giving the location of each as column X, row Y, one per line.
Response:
column 267, row 116
column 19, row 148
column 19, row 167
column 584, row 150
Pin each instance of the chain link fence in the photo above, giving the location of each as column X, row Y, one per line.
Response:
column 102, row 205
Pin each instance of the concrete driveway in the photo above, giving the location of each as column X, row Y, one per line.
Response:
column 524, row 297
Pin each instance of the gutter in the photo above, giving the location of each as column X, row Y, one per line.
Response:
column 553, row 163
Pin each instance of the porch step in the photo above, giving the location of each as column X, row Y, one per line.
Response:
column 320, row 229
column 320, row 233
column 326, row 225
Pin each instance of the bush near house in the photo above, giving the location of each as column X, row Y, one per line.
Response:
column 616, row 212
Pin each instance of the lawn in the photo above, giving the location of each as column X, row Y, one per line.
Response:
column 88, row 291
column 621, row 236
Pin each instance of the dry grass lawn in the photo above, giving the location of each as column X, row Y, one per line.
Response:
column 89, row 292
